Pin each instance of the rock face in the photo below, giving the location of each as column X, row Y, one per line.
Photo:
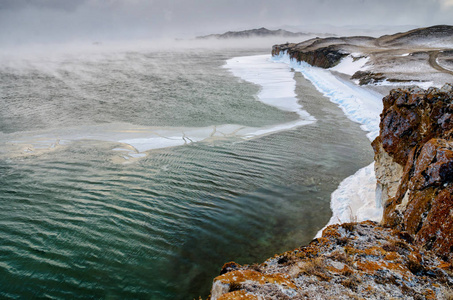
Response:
column 324, row 57
column 408, row 255
column 416, row 142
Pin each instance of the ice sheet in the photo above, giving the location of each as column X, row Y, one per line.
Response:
column 277, row 82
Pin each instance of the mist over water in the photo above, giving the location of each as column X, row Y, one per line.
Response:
column 188, row 89
column 79, row 223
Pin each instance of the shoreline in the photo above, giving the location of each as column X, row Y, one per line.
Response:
column 407, row 188
column 355, row 198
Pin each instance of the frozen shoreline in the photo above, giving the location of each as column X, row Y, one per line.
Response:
column 354, row 199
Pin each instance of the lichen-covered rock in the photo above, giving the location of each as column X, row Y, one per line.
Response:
column 350, row 261
column 416, row 136
column 413, row 116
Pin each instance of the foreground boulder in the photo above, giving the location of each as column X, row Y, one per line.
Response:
column 350, row 261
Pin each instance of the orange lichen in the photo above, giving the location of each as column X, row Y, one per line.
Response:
column 371, row 267
column 344, row 271
column 391, row 256
column 445, row 266
column 430, row 295
column 372, row 251
column 331, row 232
column 238, row 295
column 241, row 276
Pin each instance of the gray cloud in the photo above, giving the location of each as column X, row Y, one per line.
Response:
column 65, row 20
column 52, row 4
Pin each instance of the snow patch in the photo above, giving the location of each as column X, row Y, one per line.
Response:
column 351, row 64
column 424, row 85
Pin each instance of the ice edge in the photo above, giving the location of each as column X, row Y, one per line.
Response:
column 354, row 199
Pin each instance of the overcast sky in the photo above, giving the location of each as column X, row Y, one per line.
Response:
column 24, row 21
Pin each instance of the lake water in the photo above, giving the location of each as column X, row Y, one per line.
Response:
column 81, row 217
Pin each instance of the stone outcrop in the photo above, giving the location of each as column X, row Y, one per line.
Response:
column 416, row 143
column 408, row 255
column 350, row 261
column 324, row 57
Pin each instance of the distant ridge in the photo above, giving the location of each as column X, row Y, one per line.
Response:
column 419, row 36
column 252, row 33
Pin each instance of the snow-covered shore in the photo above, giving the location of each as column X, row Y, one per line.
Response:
column 354, row 199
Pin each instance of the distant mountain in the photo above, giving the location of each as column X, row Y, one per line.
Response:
column 253, row 33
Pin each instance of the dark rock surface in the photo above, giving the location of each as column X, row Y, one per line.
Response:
column 324, row 57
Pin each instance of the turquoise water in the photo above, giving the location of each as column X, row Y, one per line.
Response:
column 75, row 223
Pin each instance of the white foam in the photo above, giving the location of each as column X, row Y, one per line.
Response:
column 354, row 199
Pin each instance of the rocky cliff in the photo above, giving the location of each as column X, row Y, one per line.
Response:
column 319, row 56
column 416, row 143
column 408, row 255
